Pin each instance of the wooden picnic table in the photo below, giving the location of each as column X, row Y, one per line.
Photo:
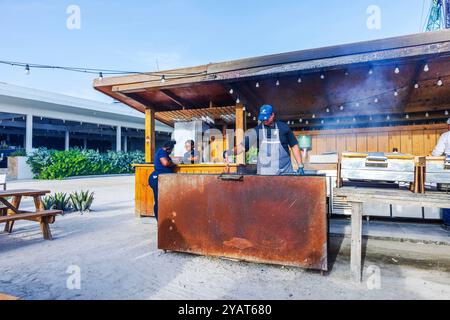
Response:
column 10, row 211
column 356, row 196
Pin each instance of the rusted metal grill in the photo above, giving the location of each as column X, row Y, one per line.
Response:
column 278, row 220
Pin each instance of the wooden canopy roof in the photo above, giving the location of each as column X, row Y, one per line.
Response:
column 332, row 86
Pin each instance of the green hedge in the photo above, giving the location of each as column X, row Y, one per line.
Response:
column 51, row 164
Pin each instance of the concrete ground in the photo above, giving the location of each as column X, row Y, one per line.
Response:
column 116, row 256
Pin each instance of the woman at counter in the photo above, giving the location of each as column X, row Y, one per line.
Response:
column 191, row 156
column 163, row 165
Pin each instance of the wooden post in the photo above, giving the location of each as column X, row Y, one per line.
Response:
column 149, row 135
column 240, row 126
column 356, row 244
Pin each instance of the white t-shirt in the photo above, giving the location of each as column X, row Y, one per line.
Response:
column 443, row 145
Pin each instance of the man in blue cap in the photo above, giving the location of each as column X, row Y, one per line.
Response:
column 273, row 140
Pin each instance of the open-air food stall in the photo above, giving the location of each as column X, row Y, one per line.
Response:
column 361, row 111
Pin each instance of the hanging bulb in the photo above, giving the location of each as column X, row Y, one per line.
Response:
column 163, row 78
column 313, row 116
column 301, row 120
column 338, row 120
column 249, row 114
column 357, row 104
column 231, row 91
column 446, row 112
column 254, row 118
column 257, row 84
column 322, row 122
column 322, row 76
column 396, row 93
column 427, row 114
column 397, row 70
column 354, row 119
column 328, row 110
column 440, row 83
column 388, row 117
column 299, row 80
column 407, row 116
column 370, row 72
column 370, row 118
column 238, row 100
column 278, row 83
column 346, row 73
column 375, row 100
column 426, row 68
column 307, row 122
column 416, row 86
column 27, row 69
column 100, row 76
column 341, row 108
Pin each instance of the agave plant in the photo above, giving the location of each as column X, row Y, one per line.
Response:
column 61, row 201
column 48, row 202
column 82, row 200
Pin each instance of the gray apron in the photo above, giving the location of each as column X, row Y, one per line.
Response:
column 273, row 160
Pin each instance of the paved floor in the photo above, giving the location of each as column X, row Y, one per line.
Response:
column 114, row 256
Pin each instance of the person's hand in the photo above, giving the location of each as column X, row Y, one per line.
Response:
column 300, row 172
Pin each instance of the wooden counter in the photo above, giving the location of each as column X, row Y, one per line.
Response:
column 144, row 194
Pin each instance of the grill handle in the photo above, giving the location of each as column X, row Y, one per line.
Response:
column 231, row 177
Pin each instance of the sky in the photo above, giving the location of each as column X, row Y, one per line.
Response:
column 155, row 35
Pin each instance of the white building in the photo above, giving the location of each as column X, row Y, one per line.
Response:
column 32, row 118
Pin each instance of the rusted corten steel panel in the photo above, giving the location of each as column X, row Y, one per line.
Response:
column 278, row 220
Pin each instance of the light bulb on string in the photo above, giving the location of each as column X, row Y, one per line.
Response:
column 322, row 76
column 299, row 80
column 254, row 118
column 238, row 100
column 370, row 72
column 416, row 86
column 231, row 91
column 27, row 70
column 337, row 121
column 341, row 108
column 278, row 83
column 375, row 100
column 357, row 104
column 328, row 110
column 426, row 68
column 307, row 122
column 397, row 70
column 440, row 83
column 407, row 116
column 396, row 93
column 446, row 112
column 322, row 122
column 300, row 120
column 313, row 116
column 257, row 84
column 163, row 78
column 100, row 76
column 354, row 119
column 388, row 117
column 427, row 114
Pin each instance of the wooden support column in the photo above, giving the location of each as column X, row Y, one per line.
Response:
column 356, row 244
column 149, row 135
column 240, row 127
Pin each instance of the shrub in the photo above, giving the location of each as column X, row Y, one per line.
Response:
column 82, row 200
column 48, row 202
column 19, row 153
column 50, row 164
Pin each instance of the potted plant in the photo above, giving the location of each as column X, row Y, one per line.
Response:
column 18, row 169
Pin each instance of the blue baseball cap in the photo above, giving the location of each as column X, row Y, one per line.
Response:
column 265, row 112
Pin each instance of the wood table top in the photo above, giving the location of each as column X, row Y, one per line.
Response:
column 23, row 193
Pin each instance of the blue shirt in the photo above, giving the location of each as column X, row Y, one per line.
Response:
column 193, row 153
column 159, row 168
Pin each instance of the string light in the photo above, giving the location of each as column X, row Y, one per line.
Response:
column 388, row 117
column 322, row 121
column 416, row 86
column 163, row 78
column 254, row 118
column 396, row 93
column 313, row 116
column 257, row 84
column 100, row 76
column 440, row 83
column 446, row 112
column 300, row 120
column 427, row 114
column 322, row 76
column 238, row 100
column 370, row 118
column 299, row 80
column 231, row 91
column 341, row 108
column 375, row 100
column 397, row 70
column 278, row 83
column 307, row 122
column 407, row 116
column 328, row 110
column 354, row 119
column 337, row 121
column 357, row 104
column 27, row 69
column 370, row 72
column 426, row 68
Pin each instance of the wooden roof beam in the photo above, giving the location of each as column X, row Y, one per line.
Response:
column 169, row 94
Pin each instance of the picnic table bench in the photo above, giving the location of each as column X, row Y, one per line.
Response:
column 10, row 212
column 356, row 196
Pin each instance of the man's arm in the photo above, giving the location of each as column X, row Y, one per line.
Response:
column 166, row 162
column 440, row 147
column 297, row 155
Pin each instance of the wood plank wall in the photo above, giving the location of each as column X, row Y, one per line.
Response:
column 417, row 140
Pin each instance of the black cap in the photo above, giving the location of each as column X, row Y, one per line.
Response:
column 169, row 144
